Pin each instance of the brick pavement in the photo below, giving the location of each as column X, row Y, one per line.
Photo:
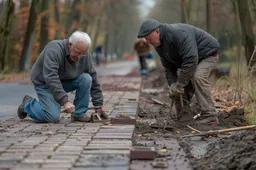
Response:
column 27, row 145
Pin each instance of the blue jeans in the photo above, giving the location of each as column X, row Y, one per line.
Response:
column 48, row 110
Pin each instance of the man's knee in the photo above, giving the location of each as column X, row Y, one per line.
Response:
column 198, row 77
column 52, row 117
column 85, row 78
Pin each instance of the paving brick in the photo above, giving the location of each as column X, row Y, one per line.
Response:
column 102, row 168
column 107, row 146
column 118, row 126
column 33, row 161
column 45, row 148
column 25, row 167
column 143, row 153
column 70, row 148
column 111, row 137
column 125, row 121
column 107, row 151
column 10, row 158
column 120, row 113
column 116, row 131
column 129, row 134
column 111, row 141
column 102, row 160
column 59, row 161
column 20, row 146
column 57, row 165
column 18, row 150
column 6, row 154
column 6, row 166
column 76, row 124
column 71, row 158
column 68, row 152
column 76, row 143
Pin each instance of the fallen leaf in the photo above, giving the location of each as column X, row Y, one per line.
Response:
column 163, row 150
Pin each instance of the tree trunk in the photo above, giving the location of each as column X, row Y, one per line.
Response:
column 57, row 19
column 66, row 19
column 248, row 36
column 44, row 25
column 29, row 37
column 208, row 16
column 106, row 44
column 239, row 60
column 73, row 18
column 183, row 11
column 5, row 36
column 97, row 31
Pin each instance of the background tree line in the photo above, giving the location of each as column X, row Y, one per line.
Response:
column 28, row 25
column 232, row 22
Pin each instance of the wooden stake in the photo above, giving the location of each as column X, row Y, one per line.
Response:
column 216, row 132
column 194, row 129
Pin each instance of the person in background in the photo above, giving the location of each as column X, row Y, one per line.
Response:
column 99, row 55
column 142, row 49
column 63, row 66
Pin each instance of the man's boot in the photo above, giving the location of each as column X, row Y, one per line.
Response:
column 20, row 111
column 208, row 118
column 103, row 115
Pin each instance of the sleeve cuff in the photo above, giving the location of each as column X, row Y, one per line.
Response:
column 63, row 100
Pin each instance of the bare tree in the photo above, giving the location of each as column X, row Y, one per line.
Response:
column 5, row 34
column 248, row 36
column 29, row 37
column 208, row 15
column 184, row 15
column 57, row 18
column 44, row 24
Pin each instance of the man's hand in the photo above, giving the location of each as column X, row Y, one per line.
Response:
column 68, row 107
column 101, row 113
column 175, row 90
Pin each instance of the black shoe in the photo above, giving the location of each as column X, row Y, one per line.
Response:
column 20, row 112
column 208, row 120
column 103, row 115
column 82, row 118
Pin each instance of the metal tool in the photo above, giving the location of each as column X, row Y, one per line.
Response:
column 94, row 117
column 174, row 114
column 169, row 115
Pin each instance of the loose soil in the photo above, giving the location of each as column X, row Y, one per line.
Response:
column 231, row 151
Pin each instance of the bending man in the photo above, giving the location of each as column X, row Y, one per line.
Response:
column 188, row 55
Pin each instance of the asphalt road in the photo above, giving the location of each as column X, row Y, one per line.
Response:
column 12, row 93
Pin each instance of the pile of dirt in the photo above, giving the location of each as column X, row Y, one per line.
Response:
column 234, row 118
column 216, row 152
column 236, row 152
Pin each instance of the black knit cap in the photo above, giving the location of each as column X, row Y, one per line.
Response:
column 147, row 27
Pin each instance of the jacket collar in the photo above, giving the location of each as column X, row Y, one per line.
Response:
column 66, row 47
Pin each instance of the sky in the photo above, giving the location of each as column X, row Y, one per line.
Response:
column 146, row 6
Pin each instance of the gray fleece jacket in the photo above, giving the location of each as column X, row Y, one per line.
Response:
column 184, row 46
column 53, row 68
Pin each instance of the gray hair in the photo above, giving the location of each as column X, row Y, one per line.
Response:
column 80, row 36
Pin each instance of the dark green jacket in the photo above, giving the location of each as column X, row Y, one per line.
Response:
column 54, row 68
column 184, row 46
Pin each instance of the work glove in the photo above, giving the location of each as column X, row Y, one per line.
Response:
column 175, row 90
column 101, row 113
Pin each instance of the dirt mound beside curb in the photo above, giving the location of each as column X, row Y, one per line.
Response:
column 236, row 152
